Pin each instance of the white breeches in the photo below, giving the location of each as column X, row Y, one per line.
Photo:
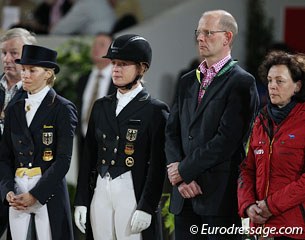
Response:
column 112, row 207
column 19, row 219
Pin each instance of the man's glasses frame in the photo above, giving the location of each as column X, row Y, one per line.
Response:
column 207, row 33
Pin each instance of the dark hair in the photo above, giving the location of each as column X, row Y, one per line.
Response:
column 294, row 63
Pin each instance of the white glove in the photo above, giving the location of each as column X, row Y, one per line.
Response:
column 140, row 221
column 80, row 214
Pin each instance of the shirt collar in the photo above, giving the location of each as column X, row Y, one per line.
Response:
column 215, row 67
column 3, row 83
column 131, row 94
column 19, row 84
column 40, row 95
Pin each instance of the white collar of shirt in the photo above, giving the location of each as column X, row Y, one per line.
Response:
column 38, row 97
column 3, row 82
column 124, row 99
column 33, row 102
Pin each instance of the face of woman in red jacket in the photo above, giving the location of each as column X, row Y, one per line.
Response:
column 281, row 86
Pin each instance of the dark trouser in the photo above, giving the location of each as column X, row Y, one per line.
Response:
column 188, row 221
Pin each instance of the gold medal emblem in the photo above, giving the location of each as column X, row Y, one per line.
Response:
column 129, row 149
column 131, row 134
column 129, row 161
column 47, row 155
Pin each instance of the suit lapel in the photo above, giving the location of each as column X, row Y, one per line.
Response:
column 44, row 109
column 218, row 83
column 20, row 113
column 109, row 111
column 215, row 86
column 134, row 105
column 20, row 94
column 192, row 98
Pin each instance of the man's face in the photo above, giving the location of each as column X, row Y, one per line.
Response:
column 99, row 49
column 210, row 45
column 10, row 51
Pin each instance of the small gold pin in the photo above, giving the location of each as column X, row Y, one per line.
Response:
column 28, row 108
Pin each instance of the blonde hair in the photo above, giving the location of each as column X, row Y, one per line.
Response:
column 52, row 78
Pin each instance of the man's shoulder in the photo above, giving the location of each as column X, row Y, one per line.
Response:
column 187, row 78
column 159, row 104
column 237, row 69
column 189, row 75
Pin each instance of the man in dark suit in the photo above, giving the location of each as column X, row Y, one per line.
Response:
column 207, row 132
column 11, row 43
column 94, row 85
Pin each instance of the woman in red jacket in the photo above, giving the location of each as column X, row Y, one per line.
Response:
column 271, row 189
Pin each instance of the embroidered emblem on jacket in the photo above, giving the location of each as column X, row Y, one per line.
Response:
column 47, row 138
column 131, row 134
column 259, row 151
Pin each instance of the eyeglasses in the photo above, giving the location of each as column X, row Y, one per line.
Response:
column 207, row 33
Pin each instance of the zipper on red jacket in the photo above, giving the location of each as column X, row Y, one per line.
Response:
column 268, row 182
column 270, row 152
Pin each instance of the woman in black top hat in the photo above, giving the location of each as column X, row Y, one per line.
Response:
column 36, row 151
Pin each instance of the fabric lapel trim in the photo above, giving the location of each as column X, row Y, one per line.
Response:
column 138, row 102
column 44, row 109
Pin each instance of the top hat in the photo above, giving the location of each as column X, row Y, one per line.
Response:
column 38, row 56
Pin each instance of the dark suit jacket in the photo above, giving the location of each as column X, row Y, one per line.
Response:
column 107, row 132
column 20, row 94
column 81, row 85
column 209, row 140
column 52, row 129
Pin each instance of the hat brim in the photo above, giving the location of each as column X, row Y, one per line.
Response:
column 45, row 64
column 106, row 56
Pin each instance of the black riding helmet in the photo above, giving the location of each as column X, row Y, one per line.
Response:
column 130, row 47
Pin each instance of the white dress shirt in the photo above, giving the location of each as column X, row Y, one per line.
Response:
column 33, row 102
column 102, row 91
column 124, row 99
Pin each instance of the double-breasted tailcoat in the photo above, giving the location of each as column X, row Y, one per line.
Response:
column 134, row 140
column 46, row 143
column 80, row 89
column 20, row 94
